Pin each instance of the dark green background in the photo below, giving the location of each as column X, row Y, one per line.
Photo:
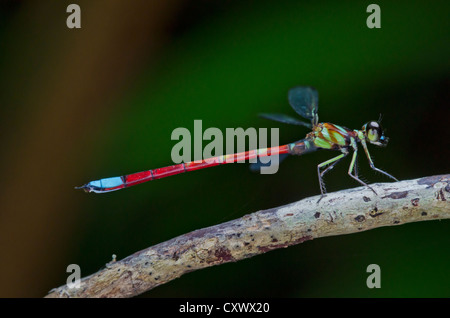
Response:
column 222, row 62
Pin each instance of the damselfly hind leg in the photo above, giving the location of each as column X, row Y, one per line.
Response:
column 330, row 163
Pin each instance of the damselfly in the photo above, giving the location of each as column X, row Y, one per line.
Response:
column 304, row 100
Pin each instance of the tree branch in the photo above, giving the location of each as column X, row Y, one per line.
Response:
column 343, row 212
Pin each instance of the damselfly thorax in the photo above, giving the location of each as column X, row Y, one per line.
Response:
column 331, row 136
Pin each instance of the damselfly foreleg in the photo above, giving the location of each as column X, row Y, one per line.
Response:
column 372, row 164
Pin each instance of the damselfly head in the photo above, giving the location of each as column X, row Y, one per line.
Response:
column 374, row 133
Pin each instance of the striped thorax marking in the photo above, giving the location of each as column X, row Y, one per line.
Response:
column 330, row 136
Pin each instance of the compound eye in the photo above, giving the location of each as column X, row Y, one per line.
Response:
column 373, row 134
column 373, row 131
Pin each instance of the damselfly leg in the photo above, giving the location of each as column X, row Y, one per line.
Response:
column 353, row 167
column 330, row 163
column 366, row 150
